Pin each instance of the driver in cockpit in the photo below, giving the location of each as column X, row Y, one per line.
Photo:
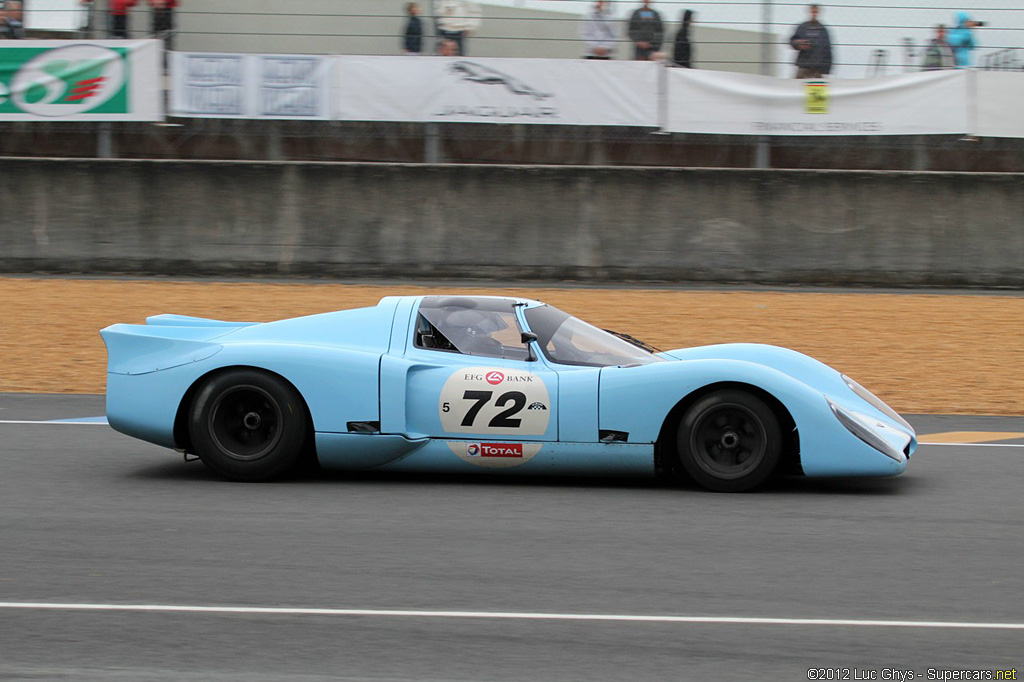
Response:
column 470, row 331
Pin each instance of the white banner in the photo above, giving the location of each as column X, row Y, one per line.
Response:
column 999, row 103
column 251, row 86
column 56, row 15
column 492, row 90
column 568, row 92
column 717, row 103
column 89, row 80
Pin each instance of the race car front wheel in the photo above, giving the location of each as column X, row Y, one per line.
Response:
column 729, row 441
column 248, row 425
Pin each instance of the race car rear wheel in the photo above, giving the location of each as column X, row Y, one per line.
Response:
column 729, row 441
column 248, row 425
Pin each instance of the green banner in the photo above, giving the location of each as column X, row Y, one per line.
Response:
column 69, row 81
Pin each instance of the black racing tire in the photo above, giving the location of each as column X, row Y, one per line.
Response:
column 729, row 441
column 248, row 425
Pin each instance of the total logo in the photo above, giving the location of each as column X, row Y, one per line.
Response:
column 495, row 455
column 495, row 378
column 68, row 80
column 495, row 450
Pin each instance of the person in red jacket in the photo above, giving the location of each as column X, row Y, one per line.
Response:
column 119, row 17
column 163, row 20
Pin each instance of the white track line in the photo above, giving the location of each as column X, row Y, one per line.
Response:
column 507, row 615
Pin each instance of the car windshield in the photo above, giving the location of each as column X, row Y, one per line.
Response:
column 471, row 326
column 570, row 341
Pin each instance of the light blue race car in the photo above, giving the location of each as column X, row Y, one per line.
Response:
column 477, row 383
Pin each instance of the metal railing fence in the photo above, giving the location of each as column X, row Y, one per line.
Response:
column 265, row 140
column 870, row 38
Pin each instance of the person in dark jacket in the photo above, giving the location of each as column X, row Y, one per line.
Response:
column 683, row 54
column 412, row 42
column 813, row 46
column 646, row 31
column 163, row 21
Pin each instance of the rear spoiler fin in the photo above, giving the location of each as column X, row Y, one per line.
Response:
column 141, row 349
column 186, row 321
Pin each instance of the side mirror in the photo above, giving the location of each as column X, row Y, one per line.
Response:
column 527, row 338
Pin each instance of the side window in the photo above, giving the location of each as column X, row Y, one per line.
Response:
column 470, row 331
column 428, row 336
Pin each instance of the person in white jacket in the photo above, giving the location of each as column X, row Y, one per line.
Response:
column 456, row 20
column 598, row 31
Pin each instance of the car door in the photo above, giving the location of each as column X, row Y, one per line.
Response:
column 467, row 377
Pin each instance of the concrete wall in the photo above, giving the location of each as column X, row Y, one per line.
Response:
column 358, row 220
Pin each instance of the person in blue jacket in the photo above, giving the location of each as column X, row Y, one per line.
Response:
column 961, row 39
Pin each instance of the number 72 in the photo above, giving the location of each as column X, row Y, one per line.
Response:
column 503, row 419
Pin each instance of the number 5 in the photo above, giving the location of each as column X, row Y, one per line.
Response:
column 446, row 407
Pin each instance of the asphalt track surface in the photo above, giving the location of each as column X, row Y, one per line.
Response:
column 867, row 575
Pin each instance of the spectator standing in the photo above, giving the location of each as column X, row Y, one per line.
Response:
column 938, row 54
column 163, row 21
column 961, row 40
column 683, row 53
column 412, row 41
column 119, row 17
column 449, row 48
column 11, row 25
column 457, row 20
column 813, row 46
column 598, row 31
column 646, row 31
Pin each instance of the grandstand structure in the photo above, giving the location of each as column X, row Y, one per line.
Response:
column 373, row 28
column 737, row 36
column 512, row 29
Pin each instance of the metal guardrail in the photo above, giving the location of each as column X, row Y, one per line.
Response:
column 217, row 139
column 1004, row 60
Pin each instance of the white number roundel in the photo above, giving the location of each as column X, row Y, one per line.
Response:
column 497, row 401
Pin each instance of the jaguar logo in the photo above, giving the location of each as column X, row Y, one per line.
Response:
column 478, row 73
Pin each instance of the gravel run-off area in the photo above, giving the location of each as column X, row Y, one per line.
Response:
column 921, row 352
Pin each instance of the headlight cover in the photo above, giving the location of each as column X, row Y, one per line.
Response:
column 866, row 429
column 873, row 400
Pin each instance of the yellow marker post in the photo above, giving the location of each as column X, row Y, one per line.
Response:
column 816, row 97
